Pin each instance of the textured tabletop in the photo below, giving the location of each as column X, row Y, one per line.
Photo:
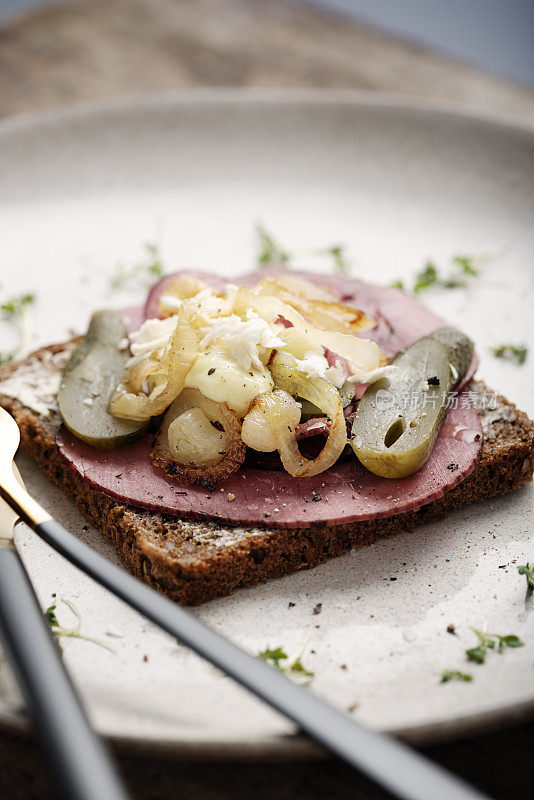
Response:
column 96, row 48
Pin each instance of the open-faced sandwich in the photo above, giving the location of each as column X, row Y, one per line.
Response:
column 231, row 432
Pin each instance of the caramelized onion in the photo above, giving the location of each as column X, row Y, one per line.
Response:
column 274, row 407
column 363, row 355
column 335, row 316
column 318, row 305
column 165, row 377
column 267, row 307
column 188, row 451
column 294, row 286
column 257, row 426
column 194, row 440
column 181, row 288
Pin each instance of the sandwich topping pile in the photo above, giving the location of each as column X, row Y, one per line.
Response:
column 284, row 399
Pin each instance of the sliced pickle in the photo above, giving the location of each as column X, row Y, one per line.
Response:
column 89, row 380
column 399, row 417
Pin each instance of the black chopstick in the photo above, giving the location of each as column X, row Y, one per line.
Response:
column 78, row 758
column 402, row 771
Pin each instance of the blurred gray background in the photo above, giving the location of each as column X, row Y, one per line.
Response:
column 495, row 35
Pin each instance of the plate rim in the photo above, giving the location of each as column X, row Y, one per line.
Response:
column 296, row 746
column 198, row 96
column 292, row 747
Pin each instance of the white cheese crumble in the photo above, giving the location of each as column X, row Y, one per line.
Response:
column 208, row 304
column 242, row 338
column 152, row 337
column 171, row 301
column 374, row 375
column 315, row 365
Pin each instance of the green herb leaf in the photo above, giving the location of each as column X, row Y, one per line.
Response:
column 154, row 265
column 453, row 283
column 5, row 358
column 462, row 269
column 341, row 262
column 297, row 666
column 270, row 253
column 59, row 632
column 18, row 310
column 491, row 641
column 426, row 277
column 528, row 571
column 397, row 284
column 466, row 265
column 511, row 352
column 454, row 675
column 485, row 639
column 50, row 616
column 16, row 305
column 151, row 266
column 273, row 656
column 509, row 641
column 476, row 654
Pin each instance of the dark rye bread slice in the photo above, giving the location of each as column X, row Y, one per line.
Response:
column 193, row 561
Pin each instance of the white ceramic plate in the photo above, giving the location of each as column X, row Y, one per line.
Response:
column 84, row 188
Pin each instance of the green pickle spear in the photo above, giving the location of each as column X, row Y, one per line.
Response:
column 89, row 380
column 399, row 417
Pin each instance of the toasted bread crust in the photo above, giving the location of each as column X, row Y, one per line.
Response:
column 193, row 561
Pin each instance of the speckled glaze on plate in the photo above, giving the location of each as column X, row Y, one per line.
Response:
column 398, row 182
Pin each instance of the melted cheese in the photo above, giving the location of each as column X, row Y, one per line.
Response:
column 224, row 380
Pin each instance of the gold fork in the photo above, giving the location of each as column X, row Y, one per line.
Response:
column 15, row 494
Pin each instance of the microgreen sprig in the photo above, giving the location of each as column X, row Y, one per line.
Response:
column 18, row 309
column 528, row 571
column 491, row 641
column 337, row 253
column 455, row 675
column 511, row 352
column 270, row 253
column 274, row 657
column 461, row 270
column 59, row 632
column 148, row 268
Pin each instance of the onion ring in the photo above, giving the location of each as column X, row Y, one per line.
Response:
column 210, row 471
column 165, row 378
